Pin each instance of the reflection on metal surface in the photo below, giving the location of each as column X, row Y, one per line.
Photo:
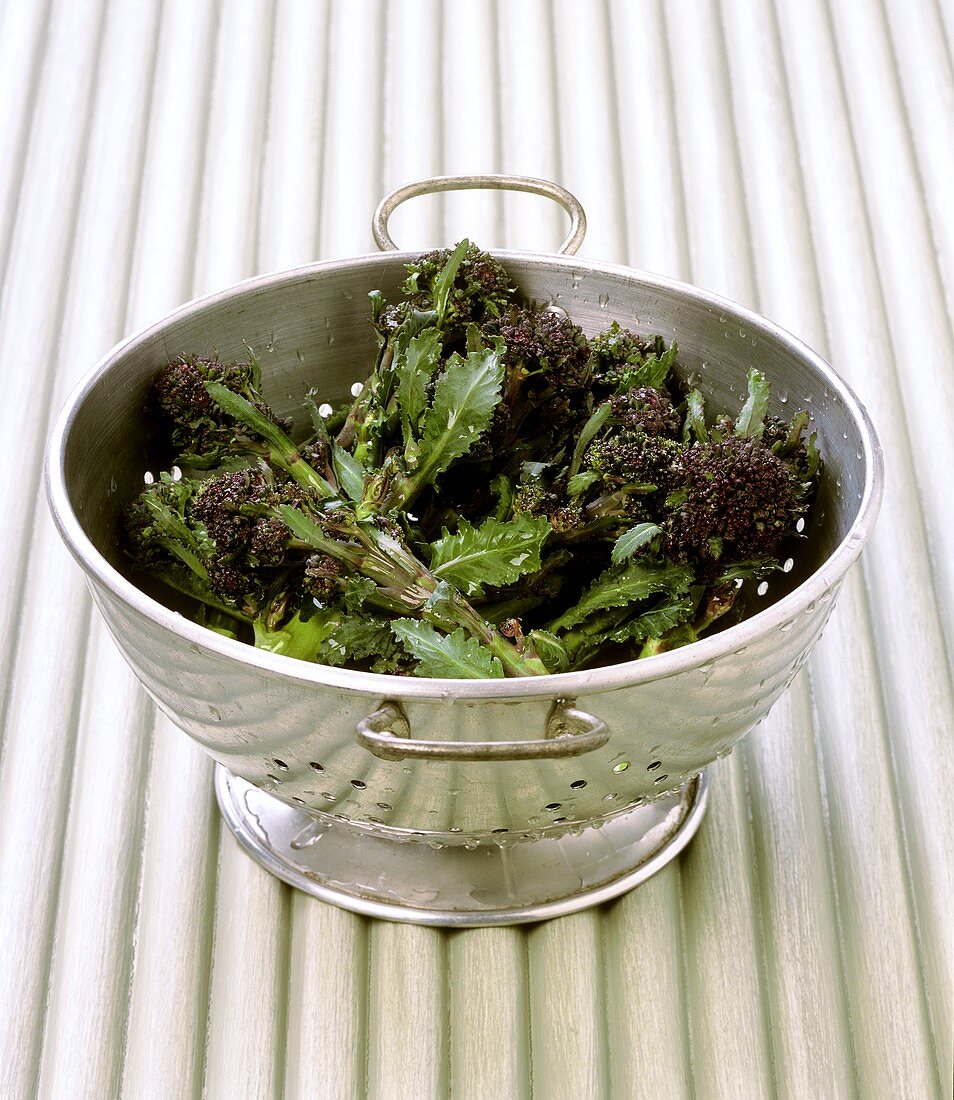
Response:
column 447, row 883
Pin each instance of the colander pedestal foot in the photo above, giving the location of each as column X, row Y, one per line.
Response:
column 425, row 881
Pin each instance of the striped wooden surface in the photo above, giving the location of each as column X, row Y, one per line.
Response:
column 797, row 156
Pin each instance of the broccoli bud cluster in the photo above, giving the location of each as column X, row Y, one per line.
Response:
column 481, row 289
column 737, row 500
column 547, row 344
column 198, row 426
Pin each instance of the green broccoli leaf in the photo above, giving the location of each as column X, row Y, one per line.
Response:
column 356, row 638
column 318, row 422
column 790, row 444
column 465, row 396
column 502, row 488
column 258, row 423
column 814, row 458
column 550, row 650
column 654, row 369
column 629, row 542
column 751, row 420
column 672, row 611
column 752, row 570
column 579, row 483
column 305, row 529
column 348, row 471
column 357, row 590
column 415, row 366
column 621, row 585
column 597, row 419
column 454, row 656
column 695, row 425
column 444, row 283
column 494, row 554
column 298, row 638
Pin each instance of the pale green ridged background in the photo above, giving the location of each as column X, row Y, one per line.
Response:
column 796, row 156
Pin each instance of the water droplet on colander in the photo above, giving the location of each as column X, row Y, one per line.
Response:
column 435, row 844
column 783, row 398
column 786, row 627
column 356, row 388
column 471, row 842
column 193, row 648
column 348, row 295
column 148, row 477
column 330, row 339
column 215, row 714
column 325, row 410
column 604, row 300
column 112, row 485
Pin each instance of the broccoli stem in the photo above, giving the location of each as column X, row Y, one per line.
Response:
column 405, row 584
column 720, row 602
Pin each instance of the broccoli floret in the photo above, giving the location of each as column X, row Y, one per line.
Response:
column 633, row 457
column 533, row 497
column 737, row 500
column 546, row 360
column 323, row 577
column 638, row 444
column 200, row 430
column 622, row 359
column 546, row 345
column 481, row 289
column 647, row 410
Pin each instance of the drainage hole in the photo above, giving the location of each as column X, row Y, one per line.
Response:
column 315, row 766
column 280, row 764
column 577, row 784
column 554, row 806
column 358, row 785
column 654, row 765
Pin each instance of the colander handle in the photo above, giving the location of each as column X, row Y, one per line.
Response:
column 570, row 203
column 570, row 732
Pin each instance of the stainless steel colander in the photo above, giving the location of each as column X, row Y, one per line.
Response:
column 459, row 802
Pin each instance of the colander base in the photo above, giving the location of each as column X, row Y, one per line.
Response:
column 456, row 886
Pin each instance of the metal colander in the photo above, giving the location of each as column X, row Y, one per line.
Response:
column 459, row 801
